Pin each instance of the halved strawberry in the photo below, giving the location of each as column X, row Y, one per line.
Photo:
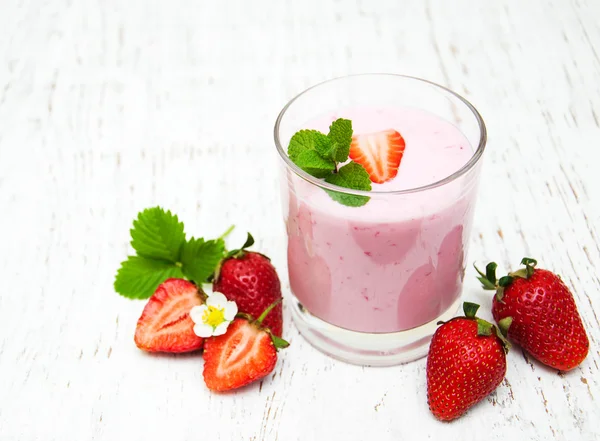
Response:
column 245, row 353
column 165, row 324
column 379, row 153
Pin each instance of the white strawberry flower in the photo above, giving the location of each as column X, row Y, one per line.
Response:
column 214, row 316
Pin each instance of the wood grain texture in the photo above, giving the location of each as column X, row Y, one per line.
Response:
column 107, row 107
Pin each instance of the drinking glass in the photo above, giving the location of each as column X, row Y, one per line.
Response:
column 369, row 284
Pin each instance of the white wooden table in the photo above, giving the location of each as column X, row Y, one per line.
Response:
column 109, row 107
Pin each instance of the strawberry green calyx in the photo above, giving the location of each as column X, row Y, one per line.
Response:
column 485, row 328
column 488, row 279
column 470, row 309
column 240, row 252
column 505, row 343
column 527, row 272
column 278, row 342
column 524, row 273
column 503, row 283
column 504, row 324
column 490, row 282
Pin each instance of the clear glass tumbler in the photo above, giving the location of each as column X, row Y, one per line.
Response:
column 369, row 284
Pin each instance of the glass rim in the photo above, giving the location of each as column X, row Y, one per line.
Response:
column 325, row 185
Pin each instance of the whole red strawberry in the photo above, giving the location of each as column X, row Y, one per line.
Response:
column 245, row 353
column 250, row 280
column 545, row 320
column 466, row 362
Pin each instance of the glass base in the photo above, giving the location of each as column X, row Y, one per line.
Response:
column 366, row 349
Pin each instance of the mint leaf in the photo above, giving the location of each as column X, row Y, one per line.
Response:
column 340, row 135
column 353, row 176
column 200, row 258
column 139, row 277
column 306, row 140
column 157, row 234
column 312, row 163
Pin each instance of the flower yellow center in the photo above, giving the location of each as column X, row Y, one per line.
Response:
column 213, row 316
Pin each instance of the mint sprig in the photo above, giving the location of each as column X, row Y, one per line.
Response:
column 320, row 155
column 162, row 252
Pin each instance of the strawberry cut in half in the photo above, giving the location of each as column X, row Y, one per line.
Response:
column 380, row 153
column 165, row 324
column 245, row 353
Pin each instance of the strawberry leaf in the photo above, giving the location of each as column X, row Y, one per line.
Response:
column 139, row 276
column 199, row 258
column 353, row 176
column 157, row 234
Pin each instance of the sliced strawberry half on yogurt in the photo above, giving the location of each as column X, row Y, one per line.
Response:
column 380, row 153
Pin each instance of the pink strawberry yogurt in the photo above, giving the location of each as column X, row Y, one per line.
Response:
column 398, row 261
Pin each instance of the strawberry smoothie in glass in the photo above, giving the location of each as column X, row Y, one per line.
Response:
column 369, row 283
